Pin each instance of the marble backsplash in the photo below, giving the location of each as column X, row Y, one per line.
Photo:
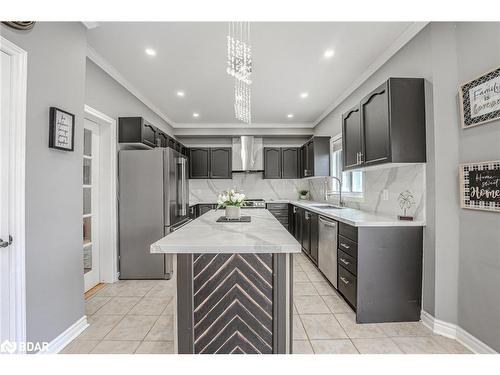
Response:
column 395, row 179
column 251, row 184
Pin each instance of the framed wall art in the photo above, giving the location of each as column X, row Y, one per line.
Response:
column 480, row 99
column 61, row 129
column 480, row 186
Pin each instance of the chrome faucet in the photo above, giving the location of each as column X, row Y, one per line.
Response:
column 331, row 192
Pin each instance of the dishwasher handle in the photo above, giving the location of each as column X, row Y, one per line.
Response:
column 328, row 223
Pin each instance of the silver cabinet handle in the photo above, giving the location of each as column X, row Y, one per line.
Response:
column 360, row 157
column 344, row 261
column 344, row 280
column 357, row 158
column 344, row 245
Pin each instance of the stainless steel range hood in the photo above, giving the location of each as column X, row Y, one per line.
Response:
column 247, row 154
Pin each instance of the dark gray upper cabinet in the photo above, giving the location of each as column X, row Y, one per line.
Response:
column 281, row 162
column 272, row 162
column 136, row 130
column 290, row 162
column 374, row 110
column 199, row 163
column 392, row 123
column 316, row 157
column 351, row 138
column 205, row 162
column 220, row 162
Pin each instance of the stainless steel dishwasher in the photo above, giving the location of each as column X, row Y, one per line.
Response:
column 327, row 249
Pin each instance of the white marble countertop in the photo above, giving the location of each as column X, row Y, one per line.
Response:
column 264, row 234
column 355, row 217
column 350, row 216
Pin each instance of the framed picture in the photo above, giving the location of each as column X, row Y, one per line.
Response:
column 480, row 186
column 480, row 99
column 61, row 129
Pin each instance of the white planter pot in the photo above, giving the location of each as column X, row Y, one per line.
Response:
column 233, row 212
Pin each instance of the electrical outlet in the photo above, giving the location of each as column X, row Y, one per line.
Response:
column 385, row 194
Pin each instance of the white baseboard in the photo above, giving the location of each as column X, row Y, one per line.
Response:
column 453, row 331
column 61, row 341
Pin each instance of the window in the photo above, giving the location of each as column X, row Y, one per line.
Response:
column 352, row 181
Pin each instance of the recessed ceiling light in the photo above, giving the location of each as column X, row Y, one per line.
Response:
column 196, row 115
column 329, row 53
column 150, row 52
column 304, row 95
column 290, row 115
column 180, row 94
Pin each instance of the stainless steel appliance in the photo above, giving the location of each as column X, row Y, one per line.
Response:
column 254, row 203
column 153, row 202
column 327, row 248
column 247, row 153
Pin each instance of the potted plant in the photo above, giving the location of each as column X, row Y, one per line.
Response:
column 303, row 194
column 232, row 201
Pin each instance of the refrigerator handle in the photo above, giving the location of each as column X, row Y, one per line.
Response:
column 183, row 187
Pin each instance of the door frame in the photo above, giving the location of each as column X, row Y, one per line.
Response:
column 17, row 177
column 108, row 205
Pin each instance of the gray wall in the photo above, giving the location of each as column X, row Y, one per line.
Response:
column 462, row 247
column 478, row 48
column 106, row 95
column 54, row 268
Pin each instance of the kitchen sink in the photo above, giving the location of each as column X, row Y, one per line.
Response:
column 327, row 206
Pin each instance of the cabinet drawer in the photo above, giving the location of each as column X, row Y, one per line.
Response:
column 347, row 285
column 277, row 206
column 280, row 214
column 348, row 231
column 348, row 246
column 347, row 261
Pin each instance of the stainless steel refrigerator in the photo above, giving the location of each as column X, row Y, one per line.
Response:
column 152, row 201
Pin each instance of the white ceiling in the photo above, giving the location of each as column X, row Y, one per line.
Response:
column 287, row 59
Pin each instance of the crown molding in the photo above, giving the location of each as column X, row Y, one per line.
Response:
column 237, row 125
column 111, row 70
column 90, row 25
column 399, row 43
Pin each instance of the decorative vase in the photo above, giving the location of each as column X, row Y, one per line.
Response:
column 233, row 212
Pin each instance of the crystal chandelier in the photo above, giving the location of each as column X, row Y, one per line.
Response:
column 239, row 66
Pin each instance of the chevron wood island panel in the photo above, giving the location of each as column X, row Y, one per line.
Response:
column 234, row 303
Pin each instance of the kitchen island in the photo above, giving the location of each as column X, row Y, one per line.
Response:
column 234, row 284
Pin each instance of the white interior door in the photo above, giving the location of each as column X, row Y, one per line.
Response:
column 91, row 172
column 5, row 251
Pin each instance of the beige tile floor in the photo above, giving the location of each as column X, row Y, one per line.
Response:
column 136, row 316
column 323, row 323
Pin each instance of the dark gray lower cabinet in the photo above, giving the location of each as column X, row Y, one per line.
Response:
column 204, row 208
column 380, row 272
column 297, row 213
column 305, row 229
column 314, row 231
column 280, row 212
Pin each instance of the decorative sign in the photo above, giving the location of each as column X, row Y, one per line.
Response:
column 61, row 129
column 480, row 186
column 480, row 99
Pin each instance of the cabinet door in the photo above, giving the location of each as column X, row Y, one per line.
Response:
column 204, row 208
column 220, row 162
column 314, row 232
column 375, row 126
column 149, row 134
column 297, row 223
column 199, row 163
column 272, row 162
column 309, row 160
column 306, row 234
column 290, row 162
column 351, row 138
column 302, row 161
